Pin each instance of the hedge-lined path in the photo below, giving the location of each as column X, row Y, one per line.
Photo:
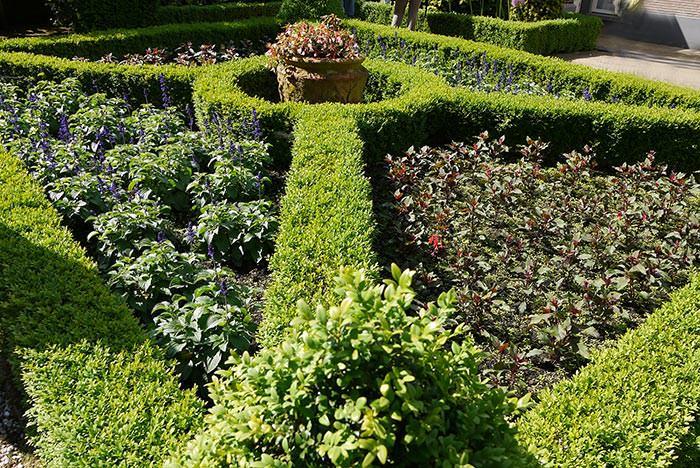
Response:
column 654, row 61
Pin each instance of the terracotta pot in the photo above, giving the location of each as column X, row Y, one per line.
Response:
column 317, row 80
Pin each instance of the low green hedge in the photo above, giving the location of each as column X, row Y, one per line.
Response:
column 636, row 404
column 235, row 89
column 99, row 393
column 216, row 12
column 135, row 83
column 326, row 219
column 569, row 34
column 28, row 60
column 619, row 133
column 429, row 111
column 403, row 45
column 123, row 41
column 87, row 15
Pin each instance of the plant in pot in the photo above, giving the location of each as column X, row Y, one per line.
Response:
column 318, row 63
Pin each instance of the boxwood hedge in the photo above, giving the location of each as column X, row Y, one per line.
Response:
column 602, row 85
column 100, row 394
column 86, row 15
column 122, row 41
column 430, row 111
column 569, row 34
column 28, row 60
column 636, row 404
column 214, row 12
column 235, row 89
column 326, row 219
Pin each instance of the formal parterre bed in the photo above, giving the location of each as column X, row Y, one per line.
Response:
column 203, row 210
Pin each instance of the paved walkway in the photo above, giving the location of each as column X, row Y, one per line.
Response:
column 657, row 62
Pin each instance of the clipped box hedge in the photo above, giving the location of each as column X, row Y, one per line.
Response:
column 602, row 85
column 215, row 12
column 636, row 404
column 430, row 111
column 87, row 15
column 569, row 34
column 90, row 15
column 235, row 89
column 619, row 133
column 99, row 393
column 326, row 219
column 122, row 41
column 28, row 60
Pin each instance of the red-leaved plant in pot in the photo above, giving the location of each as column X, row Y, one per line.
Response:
column 318, row 63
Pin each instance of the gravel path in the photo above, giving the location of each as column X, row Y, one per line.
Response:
column 10, row 454
column 13, row 449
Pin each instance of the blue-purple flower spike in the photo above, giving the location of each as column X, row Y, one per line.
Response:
column 164, row 92
column 257, row 130
column 210, row 251
column 63, row 129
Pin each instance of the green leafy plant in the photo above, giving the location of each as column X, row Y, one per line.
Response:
column 151, row 125
column 232, row 178
column 156, row 275
column 203, row 328
column 166, row 172
column 121, row 230
column 241, row 232
column 547, row 262
column 78, row 197
column 365, row 382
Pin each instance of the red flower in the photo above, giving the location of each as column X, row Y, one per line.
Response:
column 435, row 242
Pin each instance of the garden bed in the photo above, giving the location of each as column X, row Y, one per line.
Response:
column 172, row 216
column 547, row 263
